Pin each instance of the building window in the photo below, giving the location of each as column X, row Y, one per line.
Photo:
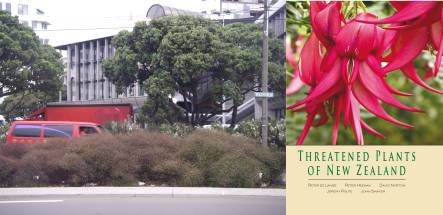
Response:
column 87, row 91
column 8, row 7
column 102, row 89
column 94, row 96
column 72, row 88
column 109, row 90
column 22, row 9
column 34, row 24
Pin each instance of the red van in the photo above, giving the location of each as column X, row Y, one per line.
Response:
column 40, row 131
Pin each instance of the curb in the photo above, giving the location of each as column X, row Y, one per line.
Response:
column 141, row 191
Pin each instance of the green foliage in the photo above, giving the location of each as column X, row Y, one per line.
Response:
column 179, row 53
column 8, row 168
column 197, row 158
column 3, row 130
column 116, row 127
column 427, row 129
column 159, row 109
column 252, row 129
column 23, row 104
column 25, row 64
column 176, row 129
column 231, row 161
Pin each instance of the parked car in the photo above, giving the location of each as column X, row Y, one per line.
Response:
column 41, row 131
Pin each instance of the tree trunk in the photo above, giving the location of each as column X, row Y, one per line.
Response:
column 234, row 116
column 194, row 107
column 187, row 108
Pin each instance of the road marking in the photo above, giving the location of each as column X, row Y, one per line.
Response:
column 30, row 201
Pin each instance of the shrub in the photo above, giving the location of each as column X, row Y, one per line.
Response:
column 39, row 168
column 107, row 161
column 191, row 177
column 76, row 167
column 236, row 170
column 176, row 129
column 230, row 161
column 201, row 158
column 8, row 167
column 250, row 128
column 16, row 150
column 205, row 147
column 276, row 134
column 155, row 155
column 3, row 130
column 116, row 127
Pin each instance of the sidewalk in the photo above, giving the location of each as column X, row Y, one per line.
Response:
column 141, row 191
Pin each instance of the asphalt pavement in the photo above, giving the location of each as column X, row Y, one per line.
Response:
column 141, row 200
column 143, row 205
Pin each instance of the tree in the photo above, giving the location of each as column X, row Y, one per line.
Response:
column 195, row 57
column 240, row 63
column 25, row 64
column 180, row 49
column 23, row 104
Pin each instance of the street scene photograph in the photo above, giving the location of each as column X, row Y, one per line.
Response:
column 143, row 107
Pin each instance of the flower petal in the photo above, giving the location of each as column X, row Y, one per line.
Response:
column 370, row 129
column 375, row 66
column 377, row 86
column 412, row 10
column 407, row 47
column 305, row 131
column 326, row 22
column 371, row 103
column 355, row 120
column 310, row 60
column 328, row 81
column 337, row 112
column 410, row 72
column 295, row 85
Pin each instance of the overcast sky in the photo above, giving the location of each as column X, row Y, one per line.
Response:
column 86, row 14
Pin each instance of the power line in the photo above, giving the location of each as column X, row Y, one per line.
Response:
column 111, row 28
column 84, row 29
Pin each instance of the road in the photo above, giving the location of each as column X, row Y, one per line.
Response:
column 146, row 205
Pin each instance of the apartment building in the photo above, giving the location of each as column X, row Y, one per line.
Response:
column 28, row 14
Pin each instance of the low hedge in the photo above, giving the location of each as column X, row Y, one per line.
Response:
column 200, row 158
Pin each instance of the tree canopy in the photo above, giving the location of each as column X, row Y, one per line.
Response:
column 26, row 65
column 205, row 63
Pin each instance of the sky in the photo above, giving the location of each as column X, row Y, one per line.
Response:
column 65, row 15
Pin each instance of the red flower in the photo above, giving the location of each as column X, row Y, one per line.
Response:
column 296, row 83
column 341, row 62
column 416, row 23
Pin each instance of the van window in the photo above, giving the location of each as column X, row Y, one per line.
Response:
column 87, row 130
column 27, row 131
column 58, row 131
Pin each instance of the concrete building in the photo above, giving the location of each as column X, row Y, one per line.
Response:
column 28, row 14
column 276, row 19
column 85, row 80
column 86, row 83
column 232, row 9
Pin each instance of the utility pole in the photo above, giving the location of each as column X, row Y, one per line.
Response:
column 223, row 97
column 221, row 13
column 264, row 85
